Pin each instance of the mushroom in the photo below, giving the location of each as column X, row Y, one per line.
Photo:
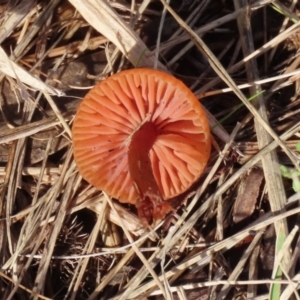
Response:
column 142, row 137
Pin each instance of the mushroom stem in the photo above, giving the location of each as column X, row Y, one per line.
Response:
column 150, row 203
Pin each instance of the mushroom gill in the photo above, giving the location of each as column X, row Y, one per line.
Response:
column 143, row 137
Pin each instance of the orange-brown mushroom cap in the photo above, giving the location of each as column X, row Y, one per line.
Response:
column 111, row 115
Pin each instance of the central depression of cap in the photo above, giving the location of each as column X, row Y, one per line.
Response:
column 115, row 108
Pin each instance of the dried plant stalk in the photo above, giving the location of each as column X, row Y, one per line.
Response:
column 105, row 20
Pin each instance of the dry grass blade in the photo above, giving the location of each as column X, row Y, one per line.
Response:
column 172, row 238
column 14, row 19
column 106, row 21
column 82, row 264
column 103, row 18
column 270, row 162
column 279, row 259
column 58, row 114
column 50, row 243
column 239, row 267
column 204, row 256
column 236, row 283
column 42, row 172
column 23, row 287
column 290, row 289
column 272, row 43
column 3, row 226
column 205, row 28
column 219, row 192
column 113, row 272
column 251, row 163
column 11, row 69
column 60, row 239
column 253, row 271
column 10, row 135
column 30, row 34
column 156, row 256
column 138, row 253
column 292, row 75
column 14, row 182
column 219, row 69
